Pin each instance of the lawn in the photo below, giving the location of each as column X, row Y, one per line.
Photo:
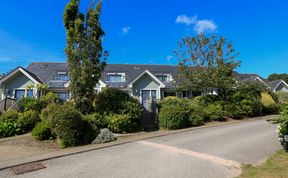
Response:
column 275, row 167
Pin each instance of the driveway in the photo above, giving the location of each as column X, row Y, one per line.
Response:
column 210, row 152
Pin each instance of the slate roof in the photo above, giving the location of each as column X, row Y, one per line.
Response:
column 47, row 71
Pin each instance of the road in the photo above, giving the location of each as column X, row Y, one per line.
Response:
column 204, row 153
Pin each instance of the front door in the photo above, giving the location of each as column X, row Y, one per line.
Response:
column 146, row 94
column 145, row 97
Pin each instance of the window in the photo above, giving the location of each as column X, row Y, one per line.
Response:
column 164, row 77
column 19, row 93
column 62, row 95
column 116, row 78
column 63, row 77
column 30, row 93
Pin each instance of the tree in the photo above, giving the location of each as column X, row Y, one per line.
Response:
column 85, row 56
column 206, row 62
column 278, row 77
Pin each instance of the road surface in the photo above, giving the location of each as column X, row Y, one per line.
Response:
column 203, row 153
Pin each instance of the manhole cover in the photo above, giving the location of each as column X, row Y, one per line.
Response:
column 27, row 168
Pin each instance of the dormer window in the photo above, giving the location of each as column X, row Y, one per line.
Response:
column 164, row 77
column 63, row 76
column 116, row 77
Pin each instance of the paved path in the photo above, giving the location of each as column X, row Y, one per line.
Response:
column 210, row 152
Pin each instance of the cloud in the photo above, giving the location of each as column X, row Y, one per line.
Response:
column 199, row 26
column 183, row 19
column 169, row 58
column 125, row 31
column 203, row 26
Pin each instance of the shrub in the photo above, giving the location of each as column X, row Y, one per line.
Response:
column 174, row 114
column 85, row 105
column 283, row 127
column 26, row 104
column 10, row 115
column 196, row 120
column 214, row 112
column 28, row 120
column 50, row 98
column 67, row 124
column 42, row 131
column 233, row 111
column 97, row 119
column 115, row 101
column 47, row 111
column 91, row 125
column 120, row 123
column 282, row 96
column 9, row 128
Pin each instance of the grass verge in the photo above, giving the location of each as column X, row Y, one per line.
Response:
column 275, row 167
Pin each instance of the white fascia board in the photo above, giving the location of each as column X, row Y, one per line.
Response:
column 19, row 70
column 162, row 85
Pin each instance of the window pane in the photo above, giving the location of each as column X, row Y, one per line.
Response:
column 153, row 94
column 63, row 77
column 19, row 94
column 62, row 95
column 115, row 78
column 29, row 93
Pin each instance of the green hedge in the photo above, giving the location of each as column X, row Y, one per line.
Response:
column 120, row 123
column 174, row 113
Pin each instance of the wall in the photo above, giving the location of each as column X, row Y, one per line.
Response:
column 18, row 81
column 282, row 87
column 145, row 83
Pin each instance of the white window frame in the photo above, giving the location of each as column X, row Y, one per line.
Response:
column 123, row 78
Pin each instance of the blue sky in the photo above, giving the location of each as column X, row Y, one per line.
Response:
column 147, row 32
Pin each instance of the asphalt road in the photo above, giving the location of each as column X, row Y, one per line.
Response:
column 204, row 153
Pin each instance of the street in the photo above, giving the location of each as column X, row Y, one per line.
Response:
column 204, row 153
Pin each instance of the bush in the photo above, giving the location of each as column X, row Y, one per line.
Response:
column 115, row 101
column 91, row 125
column 283, row 127
column 42, row 131
column 214, row 112
column 174, row 113
column 233, row 111
column 196, row 120
column 67, row 125
column 85, row 105
column 44, row 115
column 282, row 96
column 97, row 119
column 9, row 128
column 50, row 98
column 10, row 115
column 26, row 104
column 28, row 120
column 120, row 123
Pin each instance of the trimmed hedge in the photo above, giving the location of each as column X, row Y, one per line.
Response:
column 120, row 123
column 174, row 113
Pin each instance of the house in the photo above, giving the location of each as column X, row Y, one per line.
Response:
column 278, row 85
column 140, row 81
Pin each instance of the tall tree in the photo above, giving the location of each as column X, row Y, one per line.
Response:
column 85, row 56
column 206, row 62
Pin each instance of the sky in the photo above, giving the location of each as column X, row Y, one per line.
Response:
column 148, row 32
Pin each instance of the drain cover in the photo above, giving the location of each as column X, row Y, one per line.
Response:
column 27, row 168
